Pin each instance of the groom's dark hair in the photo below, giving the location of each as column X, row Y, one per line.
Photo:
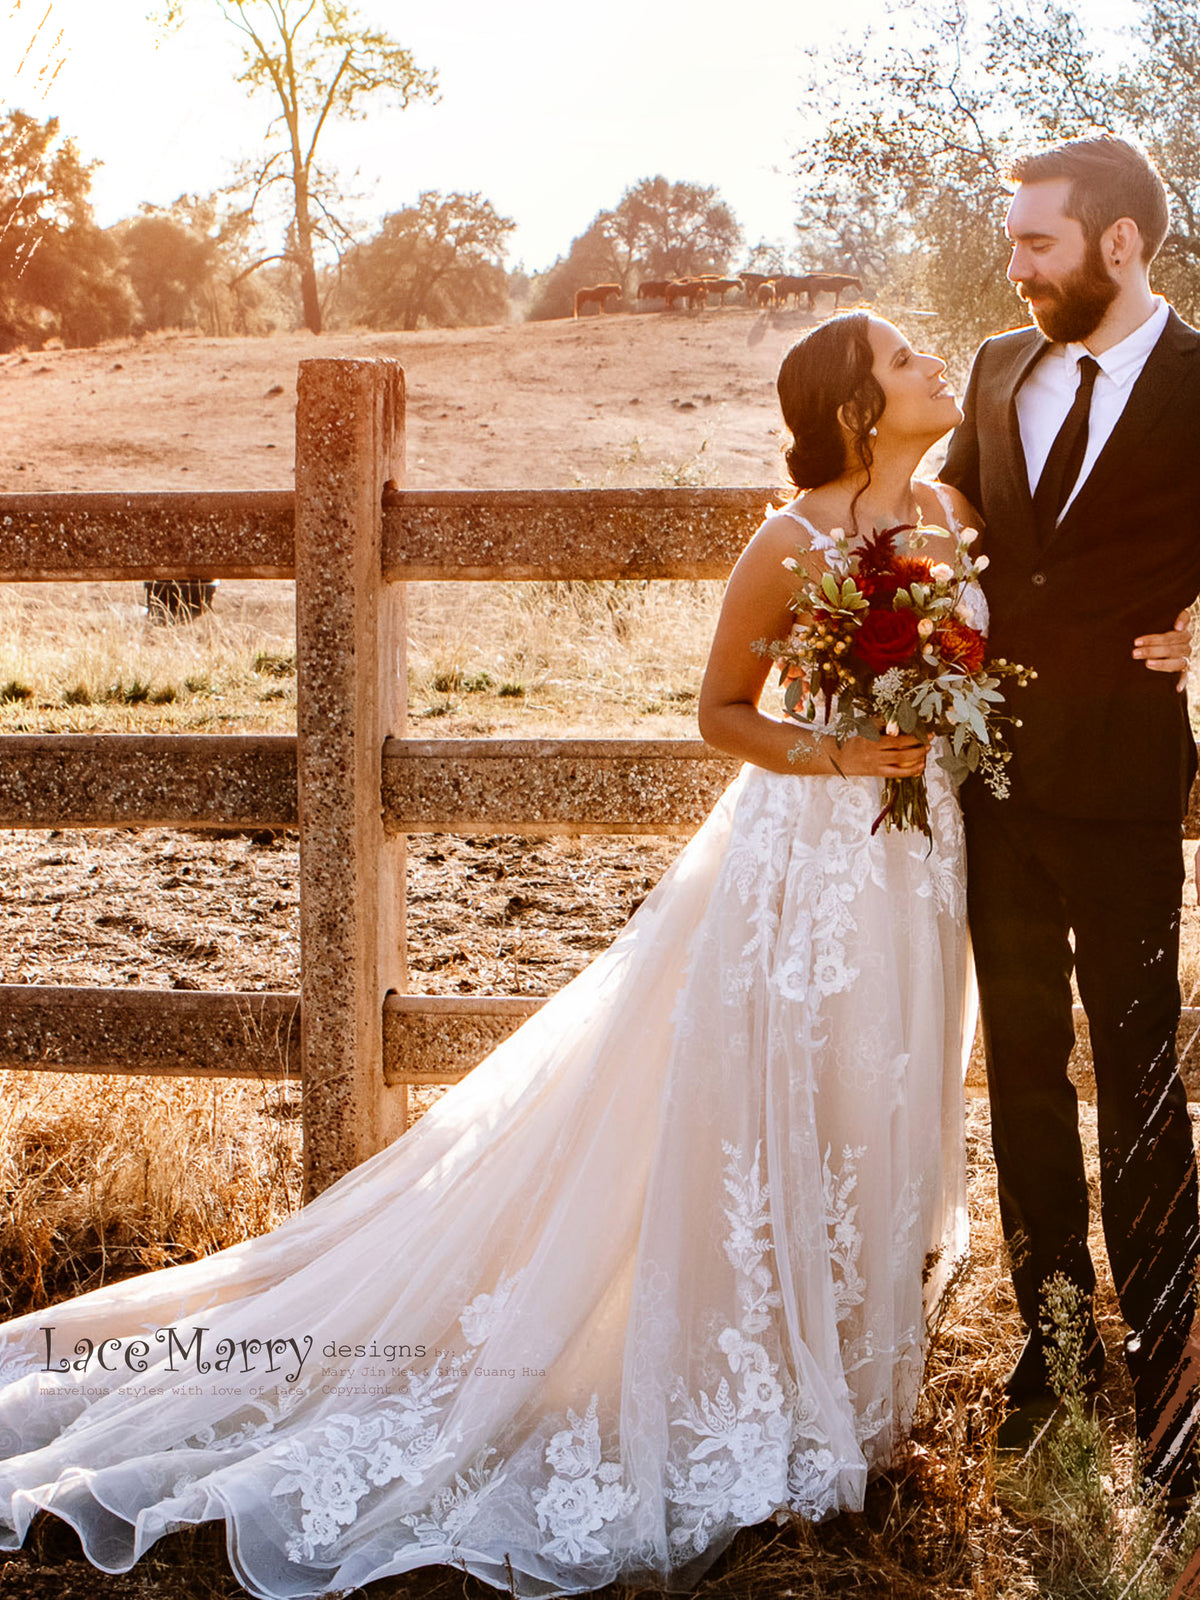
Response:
column 1110, row 178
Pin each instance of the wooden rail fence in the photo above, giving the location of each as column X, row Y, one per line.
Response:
column 350, row 779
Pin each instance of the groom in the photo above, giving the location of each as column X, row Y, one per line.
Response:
column 1080, row 447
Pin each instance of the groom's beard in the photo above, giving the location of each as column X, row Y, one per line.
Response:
column 1072, row 309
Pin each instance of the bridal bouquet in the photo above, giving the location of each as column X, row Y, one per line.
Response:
column 885, row 637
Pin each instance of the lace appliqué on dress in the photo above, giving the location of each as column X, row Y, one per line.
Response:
column 399, row 1439
column 746, row 1463
column 584, row 1493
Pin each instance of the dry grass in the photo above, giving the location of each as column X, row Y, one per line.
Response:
column 87, row 658
column 104, row 1176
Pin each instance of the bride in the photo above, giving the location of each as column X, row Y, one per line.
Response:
column 660, row 1267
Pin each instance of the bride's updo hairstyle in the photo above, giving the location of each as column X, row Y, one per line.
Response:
column 830, row 368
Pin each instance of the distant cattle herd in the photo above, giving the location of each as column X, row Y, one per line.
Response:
column 759, row 290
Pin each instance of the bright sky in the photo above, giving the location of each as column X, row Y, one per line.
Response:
column 549, row 108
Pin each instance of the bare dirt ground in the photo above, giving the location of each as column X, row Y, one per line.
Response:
column 538, row 405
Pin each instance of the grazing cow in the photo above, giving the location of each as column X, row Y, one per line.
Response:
column 765, row 295
column 834, row 283
column 689, row 289
column 599, row 296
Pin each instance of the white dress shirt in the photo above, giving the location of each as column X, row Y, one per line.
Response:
column 1045, row 397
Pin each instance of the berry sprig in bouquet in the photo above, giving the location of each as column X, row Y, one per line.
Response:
column 884, row 640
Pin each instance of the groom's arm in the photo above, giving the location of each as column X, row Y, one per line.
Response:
column 961, row 467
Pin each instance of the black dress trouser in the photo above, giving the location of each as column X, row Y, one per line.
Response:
column 1033, row 880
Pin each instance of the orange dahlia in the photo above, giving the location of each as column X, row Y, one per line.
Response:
column 960, row 646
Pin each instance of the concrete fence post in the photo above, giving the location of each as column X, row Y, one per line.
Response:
column 350, row 647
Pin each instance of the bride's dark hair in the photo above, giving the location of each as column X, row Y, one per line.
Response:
column 830, row 367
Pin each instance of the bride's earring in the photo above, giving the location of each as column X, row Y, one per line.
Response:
column 874, row 433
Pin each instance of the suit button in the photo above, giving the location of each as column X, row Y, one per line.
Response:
column 1039, row 578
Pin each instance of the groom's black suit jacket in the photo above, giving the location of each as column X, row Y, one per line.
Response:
column 1102, row 736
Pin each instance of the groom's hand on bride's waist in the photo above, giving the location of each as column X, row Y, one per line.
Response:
column 1168, row 652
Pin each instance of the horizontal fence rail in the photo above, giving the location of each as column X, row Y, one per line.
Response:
column 118, row 780
column 164, row 1032
column 447, row 535
column 547, row 786
column 113, row 535
column 523, row 533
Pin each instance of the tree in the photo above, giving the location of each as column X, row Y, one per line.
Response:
column 672, row 230
column 922, row 131
column 588, row 261
column 657, row 229
column 171, row 267
column 60, row 276
column 441, row 261
column 319, row 63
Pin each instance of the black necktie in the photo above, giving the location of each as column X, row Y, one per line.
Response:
column 1066, row 454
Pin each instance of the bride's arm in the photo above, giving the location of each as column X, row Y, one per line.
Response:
column 757, row 606
column 1162, row 652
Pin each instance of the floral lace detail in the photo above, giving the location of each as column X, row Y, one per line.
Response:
column 584, row 1493
column 845, row 1236
column 479, row 1318
column 231, row 1434
column 972, row 608
column 399, row 1439
column 739, row 1467
column 452, row 1508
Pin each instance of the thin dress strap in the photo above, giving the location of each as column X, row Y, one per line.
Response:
column 953, row 525
column 821, row 541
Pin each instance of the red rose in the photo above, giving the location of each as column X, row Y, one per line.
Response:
column 887, row 639
column 960, row 646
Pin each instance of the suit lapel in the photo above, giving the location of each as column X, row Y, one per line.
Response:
column 1166, row 366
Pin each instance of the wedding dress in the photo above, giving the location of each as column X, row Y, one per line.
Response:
column 653, row 1272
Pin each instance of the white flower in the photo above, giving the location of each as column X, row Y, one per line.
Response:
column 984, row 561
column 941, row 572
column 572, row 1512
column 791, row 563
column 968, row 536
column 892, row 728
column 925, row 627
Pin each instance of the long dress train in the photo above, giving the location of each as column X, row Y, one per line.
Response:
column 651, row 1273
